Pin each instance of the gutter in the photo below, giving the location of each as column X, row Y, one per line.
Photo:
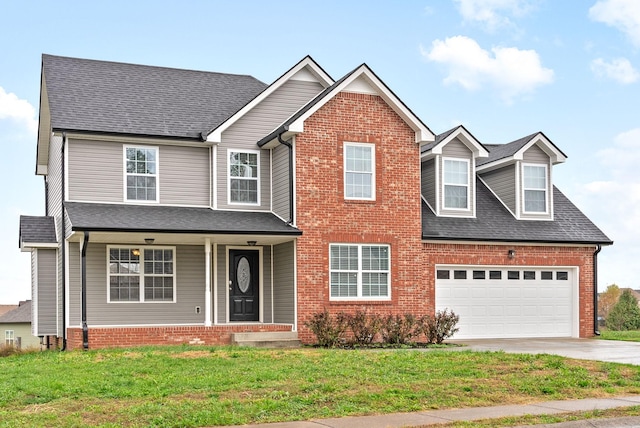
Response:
column 290, row 147
column 64, row 251
column 85, row 329
column 595, row 290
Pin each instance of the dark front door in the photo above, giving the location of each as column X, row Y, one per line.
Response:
column 244, row 285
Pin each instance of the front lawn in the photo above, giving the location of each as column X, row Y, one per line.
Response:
column 199, row 386
column 630, row 336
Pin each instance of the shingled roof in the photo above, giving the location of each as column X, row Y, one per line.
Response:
column 113, row 97
column 21, row 314
column 37, row 230
column 494, row 222
column 171, row 219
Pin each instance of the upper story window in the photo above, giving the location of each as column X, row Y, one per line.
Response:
column 359, row 171
column 141, row 173
column 534, row 178
column 456, row 183
column 244, row 177
column 143, row 274
column 359, row 271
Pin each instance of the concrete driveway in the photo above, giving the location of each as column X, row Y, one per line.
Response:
column 614, row 351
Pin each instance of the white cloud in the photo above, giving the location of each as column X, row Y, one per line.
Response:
column 619, row 69
column 510, row 71
column 621, row 14
column 492, row 13
column 14, row 108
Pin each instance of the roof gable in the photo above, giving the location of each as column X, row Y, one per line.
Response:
column 503, row 154
column 360, row 80
column 307, row 70
column 460, row 133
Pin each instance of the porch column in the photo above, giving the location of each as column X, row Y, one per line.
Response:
column 207, row 282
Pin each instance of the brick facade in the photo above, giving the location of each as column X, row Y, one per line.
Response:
column 489, row 255
column 325, row 216
column 114, row 337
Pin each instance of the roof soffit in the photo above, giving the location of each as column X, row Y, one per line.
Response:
column 44, row 129
column 363, row 80
column 307, row 69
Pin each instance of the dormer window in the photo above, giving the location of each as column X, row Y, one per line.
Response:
column 456, row 183
column 535, row 188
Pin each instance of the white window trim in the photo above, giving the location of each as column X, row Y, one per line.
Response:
column 141, row 274
column 546, row 189
column 259, row 184
column 360, row 297
column 468, row 185
column 125, row 174
column 9, row 337
column 373, row 170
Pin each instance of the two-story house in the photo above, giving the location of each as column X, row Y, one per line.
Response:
column 194, row 207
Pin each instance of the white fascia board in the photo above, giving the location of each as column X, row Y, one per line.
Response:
column 312, row 67
column 28, row 246
column 546, row 146
column 423, row 135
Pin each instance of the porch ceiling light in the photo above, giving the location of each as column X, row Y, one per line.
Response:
column 252, row 243
column 149, row 241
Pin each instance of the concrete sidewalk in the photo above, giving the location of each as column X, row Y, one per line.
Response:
column 435, row 417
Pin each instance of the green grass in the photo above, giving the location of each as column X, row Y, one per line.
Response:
column 630, row 336
column 199, row 386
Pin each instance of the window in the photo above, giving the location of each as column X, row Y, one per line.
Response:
column 456, row 183
column 479, row 274
column 495, row 274
column 359, row 171
column 529, row 274
column 459, row 274
column 562, row 276
column 244, row 177
column 9, row 338
column 141, row 274
column 513, row 274
column 141, row 173
column 359, row 271
column 535, row 188
column 546, row 275
column 442, row 274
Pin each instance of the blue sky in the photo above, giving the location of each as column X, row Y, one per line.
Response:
column 503, row 68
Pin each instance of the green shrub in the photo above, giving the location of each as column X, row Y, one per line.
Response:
column 329, row 330
column 364, row 327
column 398, row 329
column 439, row 327
column 625, row 314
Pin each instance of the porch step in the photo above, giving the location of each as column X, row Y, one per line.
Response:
column 270, row 339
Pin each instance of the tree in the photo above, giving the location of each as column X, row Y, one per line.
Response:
column 625, row 315
column 607, row 300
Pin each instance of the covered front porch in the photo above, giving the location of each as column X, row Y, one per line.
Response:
column 131, row 283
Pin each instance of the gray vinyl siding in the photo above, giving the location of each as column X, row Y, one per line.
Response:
column 266, row 284
column 249, row 129
column 96, row 173
column 221, row 270
column 74, row 278
column 456, row 149
column 284, row 283
column 34, row 291
column 503, row 183
column 46, row 297
column 54, row 190
column 280, row 186
column 428, row 181
column 190, row 292
column 535, row 155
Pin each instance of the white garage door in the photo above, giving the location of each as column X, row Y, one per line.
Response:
column 498, row 302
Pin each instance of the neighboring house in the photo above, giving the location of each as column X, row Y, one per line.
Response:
column 6, row 308
column 15, row 327
column 186, row 206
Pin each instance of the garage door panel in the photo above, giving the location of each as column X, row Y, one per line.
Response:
column 510, row 308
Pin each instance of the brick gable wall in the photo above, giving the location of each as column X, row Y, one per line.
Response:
column 325, row 217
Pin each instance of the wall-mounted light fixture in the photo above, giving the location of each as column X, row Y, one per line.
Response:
column 252, row 243
column 149, row 241
column 511, row 254
column 136, row 252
